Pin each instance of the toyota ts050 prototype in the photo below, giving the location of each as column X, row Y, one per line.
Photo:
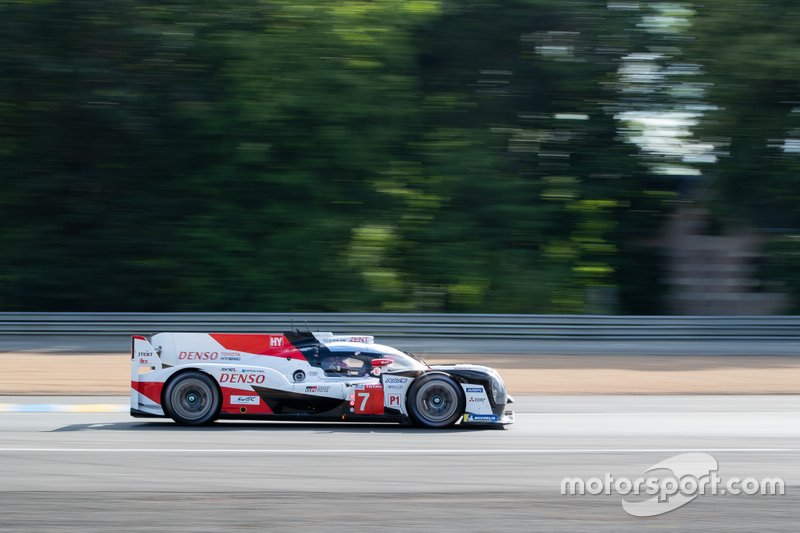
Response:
column 196, row 378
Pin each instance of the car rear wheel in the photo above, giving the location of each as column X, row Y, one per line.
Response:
column 436, row 401
column 192, row 399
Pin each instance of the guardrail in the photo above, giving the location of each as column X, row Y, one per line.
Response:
column 408, row 325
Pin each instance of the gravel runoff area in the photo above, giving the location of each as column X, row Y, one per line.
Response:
column 42, row 373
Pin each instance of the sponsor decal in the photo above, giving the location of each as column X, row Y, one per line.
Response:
column 245, row 400
column 253, row 370
column 318, row 388
column 474, row 399
column 396, row 383
column 199, row 356
column 275, row 342
column 248, row 379
column 230, row 356
column 143, row 354
column 359, row 339
column 474, row 389
column 480, row 418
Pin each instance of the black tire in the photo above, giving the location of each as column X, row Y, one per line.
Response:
column 436, row 401
column 192, row 399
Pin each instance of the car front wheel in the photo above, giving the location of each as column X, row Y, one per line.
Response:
column 436, row 401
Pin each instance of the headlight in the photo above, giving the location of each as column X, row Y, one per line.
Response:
column 498, row 391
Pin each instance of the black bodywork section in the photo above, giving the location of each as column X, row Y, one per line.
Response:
column 472, row 375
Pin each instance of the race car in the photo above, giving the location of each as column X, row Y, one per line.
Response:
column 196, row 378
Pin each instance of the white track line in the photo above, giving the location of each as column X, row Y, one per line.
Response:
column 397, row 451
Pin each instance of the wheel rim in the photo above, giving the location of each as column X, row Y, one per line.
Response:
column 437, row 401
column 192, row 399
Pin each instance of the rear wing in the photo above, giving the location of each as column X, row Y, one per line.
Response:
column 144, row 358
column 145, row 395
column 327, row 336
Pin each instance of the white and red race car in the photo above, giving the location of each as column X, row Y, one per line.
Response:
column 196, row 378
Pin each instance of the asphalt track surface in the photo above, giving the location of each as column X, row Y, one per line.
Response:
column 93, row 472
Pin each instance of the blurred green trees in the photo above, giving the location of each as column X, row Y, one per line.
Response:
column 278, row 155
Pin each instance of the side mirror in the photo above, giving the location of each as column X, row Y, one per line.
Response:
column 377, row 363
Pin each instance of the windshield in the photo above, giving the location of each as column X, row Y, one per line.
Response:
column 402, row 360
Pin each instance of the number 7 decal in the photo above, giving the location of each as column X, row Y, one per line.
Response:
column 364, row 395
column 368, row 401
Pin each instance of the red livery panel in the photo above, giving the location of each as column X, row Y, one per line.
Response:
column 274, row 345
